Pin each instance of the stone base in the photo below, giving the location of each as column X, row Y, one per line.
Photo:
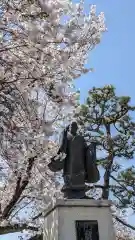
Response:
column 62, row 220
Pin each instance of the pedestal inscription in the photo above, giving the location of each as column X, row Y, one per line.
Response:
column 87, row 230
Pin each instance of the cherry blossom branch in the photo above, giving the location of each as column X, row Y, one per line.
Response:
column 20, row 187
column 37, row 216
column 36, row 237
column 16, row 228
column 124, row 223
column 12, row 47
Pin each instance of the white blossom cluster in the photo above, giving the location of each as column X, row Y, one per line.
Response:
column 44, row 45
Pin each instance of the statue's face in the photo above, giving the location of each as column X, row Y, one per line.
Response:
column 74, row 128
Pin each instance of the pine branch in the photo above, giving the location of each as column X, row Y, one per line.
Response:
column 123, row 186
column 101, row 186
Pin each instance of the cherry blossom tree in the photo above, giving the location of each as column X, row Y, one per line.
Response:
column 44, row 45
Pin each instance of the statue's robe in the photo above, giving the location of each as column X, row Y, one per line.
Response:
column 79, row 164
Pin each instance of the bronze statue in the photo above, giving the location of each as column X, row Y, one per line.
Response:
column 78, row 166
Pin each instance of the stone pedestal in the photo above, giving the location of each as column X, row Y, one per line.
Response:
column 71, row 219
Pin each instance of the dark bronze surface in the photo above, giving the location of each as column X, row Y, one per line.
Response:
column 78, row 166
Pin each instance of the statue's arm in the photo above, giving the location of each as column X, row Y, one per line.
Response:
column 64, row 142
column 92, row 150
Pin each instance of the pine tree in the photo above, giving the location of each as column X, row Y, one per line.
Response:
column 107, row 119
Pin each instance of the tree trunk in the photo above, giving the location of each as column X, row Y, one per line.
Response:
column 105, row 193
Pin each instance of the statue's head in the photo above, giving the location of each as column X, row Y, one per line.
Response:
column 74, row 128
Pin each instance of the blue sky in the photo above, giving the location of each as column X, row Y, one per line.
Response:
column 113, row 59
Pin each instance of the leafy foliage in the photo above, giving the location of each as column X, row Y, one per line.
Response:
column 106, row 119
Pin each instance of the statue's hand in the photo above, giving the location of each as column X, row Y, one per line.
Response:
column 57, row 162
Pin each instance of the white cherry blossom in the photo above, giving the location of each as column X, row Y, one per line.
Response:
column 44, row 46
